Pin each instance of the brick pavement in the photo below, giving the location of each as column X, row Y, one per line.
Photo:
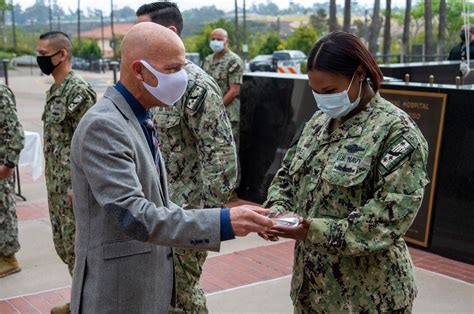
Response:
column 222, row 272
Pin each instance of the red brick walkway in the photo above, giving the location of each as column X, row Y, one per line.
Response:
column 238, row 269
column 222, row 272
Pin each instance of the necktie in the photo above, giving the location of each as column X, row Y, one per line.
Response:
column 150, row 126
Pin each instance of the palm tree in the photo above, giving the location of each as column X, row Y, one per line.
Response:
column 428, row 30
column 374, row 28
column 387, row 39
column 406, row 31
column 332, row 16
column 346, row 26
column 442, row 28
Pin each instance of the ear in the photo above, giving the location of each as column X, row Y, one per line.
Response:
column 361, row 73
column 137, row 70
column 173, row 28
column 64, row 55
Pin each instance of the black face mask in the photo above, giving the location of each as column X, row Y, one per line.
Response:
column 462, row 35
column 46, row 64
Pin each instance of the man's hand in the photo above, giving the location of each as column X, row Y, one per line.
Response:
column 69, row 198
column 6, row 172
column 297, row 233
column 248, row 218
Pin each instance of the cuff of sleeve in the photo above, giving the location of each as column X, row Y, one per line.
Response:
column 236, row 80
column 319, row 232
column 10, row 164
column 227, row 233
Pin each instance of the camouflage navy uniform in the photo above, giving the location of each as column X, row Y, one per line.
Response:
column 65, row 106
column 12, row 143
column 200, row 157
column 227, row 70
column 361, row 186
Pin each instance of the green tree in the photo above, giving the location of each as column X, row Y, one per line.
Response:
column 319, row 21
column 303, row 38
column 89, row 49
column 271, row 43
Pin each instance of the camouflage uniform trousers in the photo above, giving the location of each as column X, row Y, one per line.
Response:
column 8, row 221
column 63, row 225
column 188, row 268
column 304, row 306
column 236, row 132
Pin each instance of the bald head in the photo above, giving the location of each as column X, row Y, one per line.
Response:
column 151, row 42
column 159, row 47
column 220, row 32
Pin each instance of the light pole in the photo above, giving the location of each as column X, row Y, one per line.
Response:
column 237, row 41
column 13, row 26
column 78, row 26
column 102, row 31
column 112, row 24
column 245, row 47
column 50, row 17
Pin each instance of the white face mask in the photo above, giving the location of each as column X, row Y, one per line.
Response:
column 337, row 105
column 216, row 45
column 170, row 88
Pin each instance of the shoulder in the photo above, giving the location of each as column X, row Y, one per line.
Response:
column 79, row 93
column 234, row 62
column 402, row 138
column 200, row 87
column 208, row 58
column 5, row 91
column 104, row 115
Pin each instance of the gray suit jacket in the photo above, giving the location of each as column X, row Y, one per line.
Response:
column 125, row 223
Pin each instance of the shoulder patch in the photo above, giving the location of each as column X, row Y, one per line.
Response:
column 235, row 66
column 196, row 98
column 398, row 152
column 75, row 103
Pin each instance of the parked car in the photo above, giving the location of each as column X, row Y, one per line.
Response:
column 295, row 55
column 262, row 63
column 288, row 58
column 80, row 63
column 194, row 58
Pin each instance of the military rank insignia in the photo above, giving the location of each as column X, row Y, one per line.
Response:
column 400, row 150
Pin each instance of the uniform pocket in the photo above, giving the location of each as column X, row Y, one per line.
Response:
column 169, row 130
column 342, row 188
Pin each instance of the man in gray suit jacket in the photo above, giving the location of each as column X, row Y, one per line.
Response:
column 125, row 221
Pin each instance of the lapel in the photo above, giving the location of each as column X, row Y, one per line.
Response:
column 122, row 105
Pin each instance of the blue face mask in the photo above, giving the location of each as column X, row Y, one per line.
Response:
column 337, row 105
column 216, row 45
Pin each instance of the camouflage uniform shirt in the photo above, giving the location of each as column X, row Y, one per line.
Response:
column 11, row 131
column 197, row 144
column 65, row 106
column 226, row 70
column 12, row 141
column 362, row 186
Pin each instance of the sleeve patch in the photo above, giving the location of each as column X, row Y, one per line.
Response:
column 196, row 98
column 234, row 67
column 75, row 103
column 398, row 152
